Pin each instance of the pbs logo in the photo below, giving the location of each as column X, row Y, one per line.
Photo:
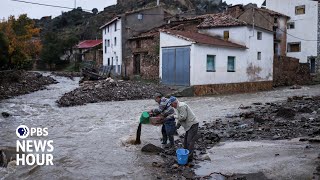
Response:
column 22, row 131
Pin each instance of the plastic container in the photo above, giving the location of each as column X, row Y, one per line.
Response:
column 144, row 118
column 156, row 120
column 182, row 156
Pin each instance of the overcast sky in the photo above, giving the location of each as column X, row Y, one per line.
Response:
column 9, row 7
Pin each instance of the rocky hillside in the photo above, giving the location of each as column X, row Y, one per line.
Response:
column 85, row 25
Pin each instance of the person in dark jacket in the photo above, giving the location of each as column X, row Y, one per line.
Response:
column 167, row 112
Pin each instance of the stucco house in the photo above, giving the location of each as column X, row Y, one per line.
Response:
column 225, row 55
column 116, row 33
column 265, row 18
column 303, row 29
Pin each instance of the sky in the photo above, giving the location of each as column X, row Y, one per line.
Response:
column 9, row 7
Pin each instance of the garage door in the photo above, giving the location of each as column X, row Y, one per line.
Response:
column 176, row 66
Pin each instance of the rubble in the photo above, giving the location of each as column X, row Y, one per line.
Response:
column 269, row 121
column 273, row 121
column 14, row 83
column 111, row 90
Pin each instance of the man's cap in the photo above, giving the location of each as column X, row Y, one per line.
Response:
column 172, row 99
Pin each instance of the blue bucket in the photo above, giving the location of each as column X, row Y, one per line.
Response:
column 182, row 156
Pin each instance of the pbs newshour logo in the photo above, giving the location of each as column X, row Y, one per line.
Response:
column 22, row 131
column 33, row 151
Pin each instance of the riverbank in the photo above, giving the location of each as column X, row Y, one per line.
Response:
column 111, row 90
column 14, row 83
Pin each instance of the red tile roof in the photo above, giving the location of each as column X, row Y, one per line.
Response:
column 89, row 44
column 203, row 39
column 220, row 20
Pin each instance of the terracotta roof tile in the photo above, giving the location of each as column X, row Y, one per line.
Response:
column 203, row 39
column 220, row 20
column 271, row 12
column 88, row 44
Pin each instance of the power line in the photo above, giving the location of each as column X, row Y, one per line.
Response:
column 48, row 5
column 285, row 31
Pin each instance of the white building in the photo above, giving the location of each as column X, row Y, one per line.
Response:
column 112, row 47
column 303, row 29
column 226, row 55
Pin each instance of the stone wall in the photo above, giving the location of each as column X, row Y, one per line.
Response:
column 215, row 89
column 288, row 71
column 149, row 57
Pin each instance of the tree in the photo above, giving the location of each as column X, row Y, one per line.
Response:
column 4, row 55
column 23, row 39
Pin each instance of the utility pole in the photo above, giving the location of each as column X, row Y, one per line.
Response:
column 157, row 2
column 75, row 4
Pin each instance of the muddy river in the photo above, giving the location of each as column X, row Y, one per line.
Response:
column 90, row 141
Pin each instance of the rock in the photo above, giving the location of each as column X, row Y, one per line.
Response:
column 156, row 164
column 206, row 157
column 305, row 110
column 258, row 119
column 175, row 166
column 257, row 103
column 295, row 87
column 5, row 114
column 304, row 119
column 276, row 137
column 152, row 149
column 286, row 113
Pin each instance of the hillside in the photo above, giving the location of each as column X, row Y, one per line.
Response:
column 85, row 25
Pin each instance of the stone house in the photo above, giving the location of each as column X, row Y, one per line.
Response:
column 117, row 32
column 303, row 32
column 144, row 61
column 90, row 51
column 225, row 55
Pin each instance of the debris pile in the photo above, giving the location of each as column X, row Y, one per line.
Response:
column 299, row 116
column 14, row 83
column 111, row 90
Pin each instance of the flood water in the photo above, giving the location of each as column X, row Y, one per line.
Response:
column 90, row 142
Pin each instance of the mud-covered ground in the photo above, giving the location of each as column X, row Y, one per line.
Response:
column 91, row 141
column 111, row 90
column 14, row 83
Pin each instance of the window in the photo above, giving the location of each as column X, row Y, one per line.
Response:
column 275, row 20
column 108, row 44
column 115, row 41
column 300, row 9
column 138, row 44
column 108, row 29
column 105, row 30
column 115, row 26
column 290, row 25
column 211, row 63
column 259, row 35
column 225, row 35
column 108, row 61
column 259, row 55
column 105, row 46
column 294, row 47
column 231, row 64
